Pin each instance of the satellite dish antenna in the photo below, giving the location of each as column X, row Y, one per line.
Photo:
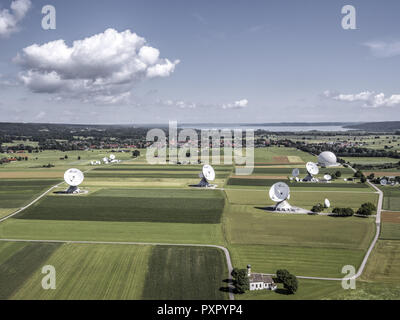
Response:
column 280, row 193
column 112, row 157
column 312, row 169
column 295, row 173
column 327, row 203
column 73, row 177
column 207, row 174
column 383, row 182
column 328, row 177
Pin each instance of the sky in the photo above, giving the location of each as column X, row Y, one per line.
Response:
column 148, row 61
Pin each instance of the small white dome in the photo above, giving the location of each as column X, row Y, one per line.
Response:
column 327, row 159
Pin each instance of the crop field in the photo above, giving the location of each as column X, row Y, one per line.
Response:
column 280, row 155
column 111, row 271
column 188, row 207
column 369, row 160
column 384, row 263
column 391, row 200
column 15, row 193
column 303, row 198
column 137, row 202
column 271, row 182
column 183, row 273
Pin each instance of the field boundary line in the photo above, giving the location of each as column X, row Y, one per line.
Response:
column 225, row 250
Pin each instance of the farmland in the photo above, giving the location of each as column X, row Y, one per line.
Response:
column 111, row 271
column 137, row 202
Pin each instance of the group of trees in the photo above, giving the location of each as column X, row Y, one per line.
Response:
column 240, row 280
column 366, row 209
column 289, row 280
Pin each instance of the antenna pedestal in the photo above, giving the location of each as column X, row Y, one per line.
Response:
column 72, row 190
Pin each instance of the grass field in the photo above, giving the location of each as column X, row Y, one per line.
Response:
column 18, row 262
column 111, row 272
column 271, row 182
column 15, row 193
column 187, row 207
column 186, row 273
column 303, row 199
column 91, row 272
column 138, row 202
column 391, row 200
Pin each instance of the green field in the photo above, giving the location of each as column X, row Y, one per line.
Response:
column 186, row 273
column 111, row 272
column 137, row 202
column 15, row 193
column 391, row 200
column 271, row 182
column 187, row 207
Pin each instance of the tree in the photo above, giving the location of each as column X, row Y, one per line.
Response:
column 290, row 284
column 240, row 280
column 363, row 179
column 282, row 274
column 317, row 208
column 338, row 174
column 136, row 153
column 366, row 209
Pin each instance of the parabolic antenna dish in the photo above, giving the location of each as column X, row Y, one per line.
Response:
column 73, row 177
column 279, row 192
column 384, row 182
column 112, row 157
column 328, row 177
column 327, row 203
column 312, row 168
column 208, row 172
column 295, row 173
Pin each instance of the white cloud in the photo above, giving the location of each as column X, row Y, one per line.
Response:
column 10, row 18
column 384, row 49
column 103, row 68
column 368, row 98
column 236, row 105
column 178, row 104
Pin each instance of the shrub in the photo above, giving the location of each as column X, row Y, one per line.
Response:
column 318, row 208
column 343, row 212
column 282, row 274
column 366, row 209
column 290, row 284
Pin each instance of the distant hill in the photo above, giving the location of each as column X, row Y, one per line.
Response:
column 385, row 126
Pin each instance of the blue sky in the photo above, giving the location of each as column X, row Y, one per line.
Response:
column 222, row 61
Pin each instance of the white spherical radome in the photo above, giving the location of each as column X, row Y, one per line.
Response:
column 327, row 158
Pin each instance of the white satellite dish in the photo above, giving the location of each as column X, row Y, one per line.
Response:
column 328, row 177
column 208, row 172
column 112, row 157
column 327, row 203
column 295, row 173
column 312, row 168
column 383, row 182
column 279, row 192
column 73, row 177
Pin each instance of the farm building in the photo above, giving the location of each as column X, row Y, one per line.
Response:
column 258, row 281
